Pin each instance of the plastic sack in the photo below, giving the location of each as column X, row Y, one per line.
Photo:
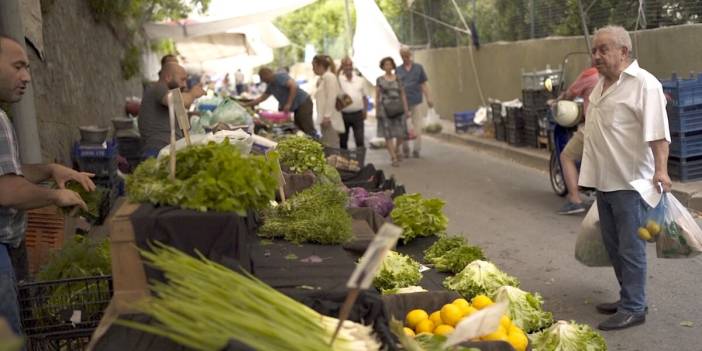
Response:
column 481, row 116
column 432, row 123
column 589, row 247
column 231, row 112
column 238, row 139
column 672, row 227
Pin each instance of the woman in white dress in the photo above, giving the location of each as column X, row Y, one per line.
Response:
column 331, row 123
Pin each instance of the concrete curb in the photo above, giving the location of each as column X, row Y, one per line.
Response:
column 689, row 194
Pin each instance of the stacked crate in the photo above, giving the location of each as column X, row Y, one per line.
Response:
column 685, row 121
column 536, row 110
column 514, row 126
column 498, row 120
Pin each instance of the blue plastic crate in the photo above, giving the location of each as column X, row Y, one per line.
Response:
column 684, row 119
column 96, row 151
column 685, row 169
column 463, row 120
column 684, row 92
column 686, row 145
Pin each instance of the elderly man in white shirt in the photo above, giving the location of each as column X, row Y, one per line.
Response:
column 626, row 138
column 355, row 113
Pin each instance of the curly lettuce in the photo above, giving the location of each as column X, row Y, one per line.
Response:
column 479, row 277
column 418, row 216
column 397, row 271
column 524, row 308
column 568, row 336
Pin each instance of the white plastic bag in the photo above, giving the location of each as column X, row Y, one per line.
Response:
column 432, row 123
column 480, row 116
column 680, row 236
column 589, row 247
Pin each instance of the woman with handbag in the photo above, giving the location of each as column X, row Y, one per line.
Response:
column 392, row 110
column 331, row 124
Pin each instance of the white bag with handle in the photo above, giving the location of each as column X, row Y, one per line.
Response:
column 589, row 247
column 432, row 123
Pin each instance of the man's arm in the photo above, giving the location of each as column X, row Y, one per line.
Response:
column 293, row 92
column 258, row 100
column 25, row 195
column 37, row 173
column 365, row 106
column 188, row 97
column 425, row 91
column 660, row 157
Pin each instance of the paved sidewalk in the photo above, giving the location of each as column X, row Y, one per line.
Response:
column 689, row 193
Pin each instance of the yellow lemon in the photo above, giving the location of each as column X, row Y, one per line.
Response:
column 505, row 322
column 416, row 316
column 443, row 330
column 481, row 301
column 467, row 310
column 461, row 302
column 451, row 314
column 515, row 329
column 644, row 234
column 425, row 326
column 436, row 318
column 519, row 341
column 498, row 335
column 408, row 331
column 653, row 227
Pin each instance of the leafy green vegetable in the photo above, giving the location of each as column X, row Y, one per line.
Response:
column 479, row 277
column 452, row 254
column 442, row 246
column 301, row 153
column 397, row 271
column 317, row 214
column 418, row 216
column 565, row 336
column 93, row 199
column 330, row 175
column 80, row 257
column 524, row 308
column 208, row 177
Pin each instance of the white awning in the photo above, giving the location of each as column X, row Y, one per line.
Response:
column 373, row 40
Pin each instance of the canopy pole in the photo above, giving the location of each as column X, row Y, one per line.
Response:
column 584, row 23
column 349, row 35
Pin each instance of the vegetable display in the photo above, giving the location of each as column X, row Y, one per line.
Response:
column 397, row 271
column 93, row 199
column 452, row 254
column 479, row 277
column 301, row 153
column 524, row 308
column 568, row 336
column 317, row 215
column 205, row 304
column 208, row 177
column 80, row 257
column 379, row 202
column 418, row 216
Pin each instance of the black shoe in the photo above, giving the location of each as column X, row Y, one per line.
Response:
column 623, row 320
column 608, row 308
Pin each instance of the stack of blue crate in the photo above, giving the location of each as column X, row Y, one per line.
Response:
column 685, row 120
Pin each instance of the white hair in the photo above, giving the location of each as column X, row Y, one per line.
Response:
column 619, row 35
column 405, row 49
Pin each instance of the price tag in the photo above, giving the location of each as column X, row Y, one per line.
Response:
column 477, row 324
column 366, row 270
column 180, row 112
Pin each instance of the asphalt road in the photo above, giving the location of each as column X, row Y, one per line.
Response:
column 509, row 210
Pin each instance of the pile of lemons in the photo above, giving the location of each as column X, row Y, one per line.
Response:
column 443, row 322
column 650, row 232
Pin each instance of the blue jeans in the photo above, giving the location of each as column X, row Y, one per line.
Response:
column 621, row 213
column 9, row 306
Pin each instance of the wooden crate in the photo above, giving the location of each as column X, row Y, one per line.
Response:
column 47, row 230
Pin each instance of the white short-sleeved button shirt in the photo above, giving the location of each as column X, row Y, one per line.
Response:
column 620, row 123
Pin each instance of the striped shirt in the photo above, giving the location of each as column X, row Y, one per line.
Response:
column 12, row 222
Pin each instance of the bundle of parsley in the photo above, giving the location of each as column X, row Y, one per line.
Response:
column 317, row 215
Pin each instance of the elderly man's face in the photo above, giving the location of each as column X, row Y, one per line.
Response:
column 607, row 56
column 14, row 71
column 406, row 56
column 347, row 66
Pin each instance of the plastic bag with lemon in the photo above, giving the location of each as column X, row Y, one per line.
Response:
column 671, row 226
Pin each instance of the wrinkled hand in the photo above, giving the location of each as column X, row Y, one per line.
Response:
column 287, row 108
column 551, row 102
column 68, row 198
column 62, row 174
column 664, row 179
column 326, row 121
column 430, row 103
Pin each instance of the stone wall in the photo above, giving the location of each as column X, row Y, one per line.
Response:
column 499, row 65
column 79, row 82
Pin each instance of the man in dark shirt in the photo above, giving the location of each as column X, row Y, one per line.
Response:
column 290, row 98
column 414, row 80
column 154, row 124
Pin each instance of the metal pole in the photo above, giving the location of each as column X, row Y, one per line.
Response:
column 584, row 23
column 349, row 36
column 533, row 28
column 24, row 112
column 474, row 12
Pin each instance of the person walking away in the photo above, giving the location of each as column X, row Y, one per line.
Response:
column 414, row 80
column 290, row 98
column 239, row 82
column 573, row 151
column 626, row 138
column 18, row 182
column 355, row 113
column 154, row 121
column 392, row 110
column 331, row 124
